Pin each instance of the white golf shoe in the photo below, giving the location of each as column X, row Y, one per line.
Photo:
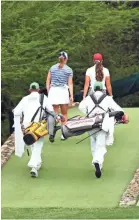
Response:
column 62, row 137
column 34, row 172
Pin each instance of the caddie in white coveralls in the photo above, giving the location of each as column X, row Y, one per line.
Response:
column 98, row 140
column 28, row 106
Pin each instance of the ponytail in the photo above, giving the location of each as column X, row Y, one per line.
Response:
column 62, row 61
column 99, row 71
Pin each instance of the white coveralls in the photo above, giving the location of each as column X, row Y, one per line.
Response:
column 98, row 140
column 28, row 106
column 91, row 72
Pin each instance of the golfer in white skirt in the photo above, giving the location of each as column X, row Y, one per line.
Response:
column 59, row 85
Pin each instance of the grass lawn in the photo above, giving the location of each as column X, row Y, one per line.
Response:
column 67, row 186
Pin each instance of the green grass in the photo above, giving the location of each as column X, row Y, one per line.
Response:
column 67, row 187
column 67, row 213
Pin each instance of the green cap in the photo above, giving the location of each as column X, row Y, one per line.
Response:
column 98, row 85
column 34, row 86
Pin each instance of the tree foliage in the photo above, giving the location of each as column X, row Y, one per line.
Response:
column 34, row 32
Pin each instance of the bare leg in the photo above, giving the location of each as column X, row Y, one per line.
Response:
column 64, row 112
column 56, row 108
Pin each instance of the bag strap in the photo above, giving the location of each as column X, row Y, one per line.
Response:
column 35, row 114
column 41, row 102
column 96, row 102
column 101, row 98
column 40, row 107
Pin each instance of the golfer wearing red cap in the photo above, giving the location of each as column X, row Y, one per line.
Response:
column 97, row 73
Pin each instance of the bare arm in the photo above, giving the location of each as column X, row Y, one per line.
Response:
column 86, row 85
column 108, row 85
column 83, row 106
column 48, row 81
column 70, row 84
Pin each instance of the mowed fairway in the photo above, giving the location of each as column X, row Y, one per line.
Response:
column 67, row 178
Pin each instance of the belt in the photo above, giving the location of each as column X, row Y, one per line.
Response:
column 65, row 86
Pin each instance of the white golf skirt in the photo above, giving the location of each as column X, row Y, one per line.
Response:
column 59, row 95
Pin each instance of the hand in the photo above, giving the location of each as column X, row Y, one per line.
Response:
column 60, row 118
column 111, row 96
column 71, row 99
column 125, row 118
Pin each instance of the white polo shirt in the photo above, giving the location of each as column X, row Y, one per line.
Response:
column 92, row 74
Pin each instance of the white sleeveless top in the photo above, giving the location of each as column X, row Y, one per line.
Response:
column 92, row 74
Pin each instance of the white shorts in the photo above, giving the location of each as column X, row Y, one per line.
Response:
column 59, row 95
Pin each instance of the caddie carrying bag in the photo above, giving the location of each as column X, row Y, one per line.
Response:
column 36, row 129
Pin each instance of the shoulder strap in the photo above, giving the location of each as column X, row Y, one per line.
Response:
column 96, row 102
column 35, row 114
column 101, row 98
column 40, row 107
column 41, row 98
column 94, row 98
column 41, row 102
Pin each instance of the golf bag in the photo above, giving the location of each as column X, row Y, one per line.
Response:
column 79, row 125
column 45, row 126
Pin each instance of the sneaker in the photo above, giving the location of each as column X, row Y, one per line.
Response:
column 51, row 138
column 62, row 137
column 34, row 172
column 98, row 170
column 56, row 129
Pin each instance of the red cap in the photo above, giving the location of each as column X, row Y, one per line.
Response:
column 97, row 56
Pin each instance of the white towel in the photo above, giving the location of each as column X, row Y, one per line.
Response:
column 19, row 143
column 106, row 123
